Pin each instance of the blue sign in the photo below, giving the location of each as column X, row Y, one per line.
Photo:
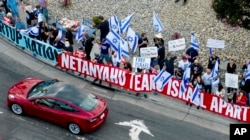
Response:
column 44, row 50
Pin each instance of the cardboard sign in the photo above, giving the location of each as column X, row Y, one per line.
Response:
column 149, row 52
column 231, row 80
column 176, row 45
column 141, row 62
column 213, row 43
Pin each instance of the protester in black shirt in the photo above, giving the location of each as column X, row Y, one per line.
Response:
column 69, row 36
column 43, row 32
column 87, row 43
column 212, row 60
column 104, row 28
column 161, row 54
column 142, row 42
column 158, row 39
column 53, row 34
column 30, row 17
column 169, row 63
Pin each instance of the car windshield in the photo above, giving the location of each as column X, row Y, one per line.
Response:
column 41, row 88
column 67, row 92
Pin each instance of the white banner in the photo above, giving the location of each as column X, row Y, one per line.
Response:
column 149, row 52
column 231, row 80
column 141, row 62
column 176, row 45
column 213, row 43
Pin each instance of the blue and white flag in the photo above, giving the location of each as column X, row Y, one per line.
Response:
column 32, row 31
column 157, row 23
column 60, row 34
column 194, row 42
column 124, row 24
column 247, row 72
column 124, row 47
column 114, row 23
column 195, row 98
column 114, row 40
column 132, row 39
column 162, row 79
column 210, row 52
column 79, row 34
column 215, row 70
column 185, row 80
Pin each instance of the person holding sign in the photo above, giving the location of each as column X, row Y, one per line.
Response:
column 212, row 60
column 231, row 68
column 142, row 42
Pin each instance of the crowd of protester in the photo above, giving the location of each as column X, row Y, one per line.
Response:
column 200, row 75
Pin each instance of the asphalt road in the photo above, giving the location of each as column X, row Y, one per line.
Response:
column 13, row 127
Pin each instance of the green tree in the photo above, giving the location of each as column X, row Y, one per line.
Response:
column 233, row 12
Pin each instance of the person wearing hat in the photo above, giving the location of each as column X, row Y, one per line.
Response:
column 67, row 47
column 158, row 39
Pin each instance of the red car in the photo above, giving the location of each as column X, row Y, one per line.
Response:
column 58, row 102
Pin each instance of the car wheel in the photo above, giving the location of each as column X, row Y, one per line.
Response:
column 74, row 128
column 17, row 109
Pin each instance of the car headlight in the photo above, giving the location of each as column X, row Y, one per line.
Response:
column 10, row 96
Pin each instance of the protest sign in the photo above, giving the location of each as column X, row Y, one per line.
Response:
column 231, row 80
column 176, row 45
column 149, row 52
column 213, row 43
column 141, row 62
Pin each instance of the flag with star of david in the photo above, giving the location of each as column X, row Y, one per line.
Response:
column 158, row 26
column 132, row 39
column 124, row 24
column 162, row 79
column 194, row 42
column 114, row 23
column 114, row 40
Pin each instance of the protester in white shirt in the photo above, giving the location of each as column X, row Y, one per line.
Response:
column 206, row 77
column 115, row 61
column 184, row 63
column 220, row 91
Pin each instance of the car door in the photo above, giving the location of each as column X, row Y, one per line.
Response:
column 63, row 112
column 43, row 108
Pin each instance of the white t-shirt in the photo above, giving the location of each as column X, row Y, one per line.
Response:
column 183, row 65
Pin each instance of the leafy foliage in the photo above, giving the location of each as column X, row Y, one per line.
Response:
column 233, row 12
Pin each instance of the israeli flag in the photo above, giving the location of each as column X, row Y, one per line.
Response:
column 210, row 52
column 32, row 31
column 215, row 70
column 79, row 34
column 114, row 40
column 60, row 34
column 124, row 24
column 124, row 48
column 194, row 42
column 195, row 97
column 162, row 79
column 248, row 72
column 185, row 80
column 132, row 39
column 157, row 23
column 114, row 23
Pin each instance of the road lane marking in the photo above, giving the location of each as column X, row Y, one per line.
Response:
column 137, row 126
